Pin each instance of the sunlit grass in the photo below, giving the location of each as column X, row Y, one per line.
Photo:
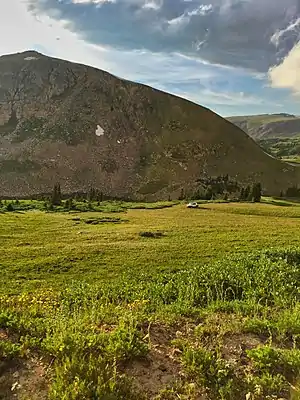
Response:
column 38, row 248
column 89, row 297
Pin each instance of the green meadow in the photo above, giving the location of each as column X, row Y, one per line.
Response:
column 150, row 301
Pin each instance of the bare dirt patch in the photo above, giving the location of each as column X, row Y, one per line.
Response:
column 235, row 346
column 3, row 334
column 23, row 380
column 161, row 368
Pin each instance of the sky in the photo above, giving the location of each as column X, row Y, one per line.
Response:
column 236, row 57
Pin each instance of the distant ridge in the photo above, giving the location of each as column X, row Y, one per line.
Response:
column 267, row 126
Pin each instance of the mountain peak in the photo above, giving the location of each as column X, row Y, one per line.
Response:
column 31, row 53
column 23, row 54
column 73, row 124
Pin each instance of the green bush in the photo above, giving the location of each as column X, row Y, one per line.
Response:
column 210, row 370
column 10, row 207
column 80, row 377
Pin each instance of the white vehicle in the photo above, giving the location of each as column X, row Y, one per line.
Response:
column 193, row 204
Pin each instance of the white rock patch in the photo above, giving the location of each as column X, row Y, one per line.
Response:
column 99, row 131
column 30, row 58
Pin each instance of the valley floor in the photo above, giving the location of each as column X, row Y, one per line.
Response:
column 169, row 303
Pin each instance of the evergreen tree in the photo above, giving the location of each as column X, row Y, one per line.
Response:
column 98, row 196
column 242, row 194
column 247, row 193
column 182, row 196
column 293, row 192
column 256, row 193
column 259, row 192
column 10, row 207
column 209, row 193
column 197, row 195
column 77, row 196
column 56, row 195
column 92, row 194
column 69, row 204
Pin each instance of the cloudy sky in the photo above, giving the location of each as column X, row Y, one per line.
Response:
column 233, row 56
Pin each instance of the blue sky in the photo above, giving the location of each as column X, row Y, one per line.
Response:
column 233, row 56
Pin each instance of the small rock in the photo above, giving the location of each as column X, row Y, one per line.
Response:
column 15, row 386
column 175, row 351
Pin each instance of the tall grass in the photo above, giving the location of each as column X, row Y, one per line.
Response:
column 91, row 330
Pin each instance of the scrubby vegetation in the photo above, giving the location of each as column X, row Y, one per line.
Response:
column 225, row 188
column 205, row 312
column 78, row 206
column 283, row 148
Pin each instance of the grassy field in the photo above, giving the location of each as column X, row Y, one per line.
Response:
column 54, row 248
column 156, row 303
column 287, row 149
column 291, row 159
column 257, row 120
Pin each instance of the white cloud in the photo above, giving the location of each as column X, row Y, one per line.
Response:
column 184, row 19
column 92, row 1
column 22, row 31
column 292, row 27
column 185, row 76
column 287, row 75
column 153, row 5
column 232, row 99
column 203, row 9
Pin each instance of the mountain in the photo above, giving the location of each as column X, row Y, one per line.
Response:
column 77, row 125
column 268, row 126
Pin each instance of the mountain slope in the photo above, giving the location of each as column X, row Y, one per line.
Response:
column 80, row 126
column 268, row 126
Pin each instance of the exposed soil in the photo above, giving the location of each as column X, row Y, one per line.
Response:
column 161, row 368
column 234, row 346
column 23, row 380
